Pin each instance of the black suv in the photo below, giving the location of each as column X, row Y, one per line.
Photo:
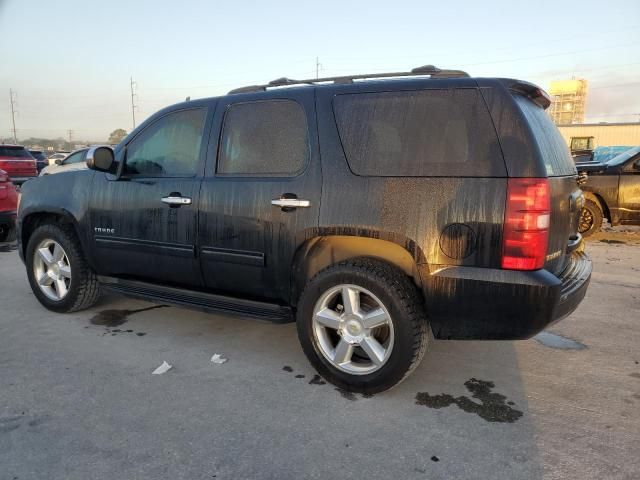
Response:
column 375, row 210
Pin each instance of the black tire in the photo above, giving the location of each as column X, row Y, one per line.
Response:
column 590, row 218
column 8, row 234
column 399, row 296
column 84, row 289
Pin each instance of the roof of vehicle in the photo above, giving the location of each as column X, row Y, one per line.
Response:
column 9, row 145
column 425, row 70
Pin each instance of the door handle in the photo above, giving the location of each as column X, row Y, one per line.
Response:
column 176, row 201
column 290, row 203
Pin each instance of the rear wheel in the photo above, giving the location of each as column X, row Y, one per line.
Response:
column 58, row 273
column 590, row 218
column 362, row 325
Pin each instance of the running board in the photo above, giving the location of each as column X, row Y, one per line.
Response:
column 206, row 302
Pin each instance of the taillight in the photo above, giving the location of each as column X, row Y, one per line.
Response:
column 526, row 224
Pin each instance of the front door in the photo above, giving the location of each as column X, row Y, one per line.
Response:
column 629, row 192
column 260, row 198
column 145, row 222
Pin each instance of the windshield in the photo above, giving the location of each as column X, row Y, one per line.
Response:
column 604, row 154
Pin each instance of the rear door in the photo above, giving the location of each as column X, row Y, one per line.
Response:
column 565, row 195
column 260, row 199
column 145, row 222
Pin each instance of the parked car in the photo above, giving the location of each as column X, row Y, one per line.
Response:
column 57, row 156
column 74, row 161
column 41, row 159
column 8, row 207
column 612, row 191
column 18, row 163
column 372, row 212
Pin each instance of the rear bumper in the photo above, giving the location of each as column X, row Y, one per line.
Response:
column 7, row 221
column 491, row 304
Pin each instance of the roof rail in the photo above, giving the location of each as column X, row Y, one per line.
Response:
column 430, row 70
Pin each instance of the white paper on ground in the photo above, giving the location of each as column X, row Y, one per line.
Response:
column 165, row 367
column 217, row 358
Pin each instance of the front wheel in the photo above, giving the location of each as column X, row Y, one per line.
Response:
column 57, row 270
column 362, row 325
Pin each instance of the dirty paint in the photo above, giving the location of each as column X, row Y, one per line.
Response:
column 492, row 406
column 553, row 340
column 115, row 318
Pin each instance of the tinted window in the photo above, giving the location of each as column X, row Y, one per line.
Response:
column 170, row 146
column 555, row 152
column 418, row 133
column 268, row 137
column 74, row 158
column 15, row 152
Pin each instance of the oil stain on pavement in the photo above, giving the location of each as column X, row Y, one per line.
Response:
column 115, row 318
column 554, row 340
column 492, row 407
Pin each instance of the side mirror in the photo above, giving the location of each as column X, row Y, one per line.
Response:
column 58, row 161
column 101, row 159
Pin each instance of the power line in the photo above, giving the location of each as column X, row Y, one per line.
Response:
column 133, row 105
column 12, row 98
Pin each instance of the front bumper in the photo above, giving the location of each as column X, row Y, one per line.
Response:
column 491, row 304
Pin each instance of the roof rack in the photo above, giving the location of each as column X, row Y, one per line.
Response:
column 430, row 70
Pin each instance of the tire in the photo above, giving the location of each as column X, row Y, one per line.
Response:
column 403, row 338
column 8, row 234
column 82, row 288
column 590, row 218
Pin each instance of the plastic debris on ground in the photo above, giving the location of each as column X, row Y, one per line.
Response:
column 217, row 358
column 165, row 367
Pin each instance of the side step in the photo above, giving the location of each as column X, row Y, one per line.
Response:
column 206, row 302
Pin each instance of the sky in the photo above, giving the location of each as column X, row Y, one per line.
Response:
column 70, row 61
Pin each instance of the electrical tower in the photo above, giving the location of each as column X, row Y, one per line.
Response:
column 12, row 97
column 133, row 104
column 70, row 132
column 318, row 67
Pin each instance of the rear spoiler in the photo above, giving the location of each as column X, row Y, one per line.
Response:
column 534, row 92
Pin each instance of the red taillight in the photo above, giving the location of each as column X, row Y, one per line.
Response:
column 526, row 224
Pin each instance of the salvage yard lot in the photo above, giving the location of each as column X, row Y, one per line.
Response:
column 78, row 401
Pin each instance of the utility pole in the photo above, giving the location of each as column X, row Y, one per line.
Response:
column 12, row 98
column 133, row 105
column 318, row 67
column 70, row 132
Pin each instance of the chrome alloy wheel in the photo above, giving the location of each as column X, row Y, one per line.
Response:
column 353, row 329
column 51, row 269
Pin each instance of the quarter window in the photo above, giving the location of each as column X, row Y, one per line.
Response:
column 424, row 133
column 169, row 147
column 264, row 138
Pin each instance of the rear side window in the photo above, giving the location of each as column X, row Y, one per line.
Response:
column 426, row 133
column 15, row 152
column 555, row 152
column 264, row 138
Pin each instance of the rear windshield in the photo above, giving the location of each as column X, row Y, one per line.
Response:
column 555, row 152
column 424, row 133
column 16, row 152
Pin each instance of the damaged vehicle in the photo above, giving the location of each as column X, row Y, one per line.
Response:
column 376, row 211
column 612, row 192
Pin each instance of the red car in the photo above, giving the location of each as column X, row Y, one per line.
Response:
column 18, row 163
column 8, row 207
